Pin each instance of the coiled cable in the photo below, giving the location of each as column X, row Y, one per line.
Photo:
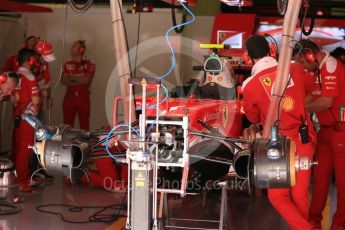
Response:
column 82, row 8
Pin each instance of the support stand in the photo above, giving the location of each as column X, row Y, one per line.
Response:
column 141, row 194
column 223, row 216
column 143, row 162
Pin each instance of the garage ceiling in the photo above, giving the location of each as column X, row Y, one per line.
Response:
column 159, row 3
column 329, row 8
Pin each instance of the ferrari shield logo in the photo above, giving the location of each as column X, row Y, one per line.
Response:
column 267, row 81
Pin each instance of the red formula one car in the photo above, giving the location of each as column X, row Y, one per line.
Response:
column 213, row 108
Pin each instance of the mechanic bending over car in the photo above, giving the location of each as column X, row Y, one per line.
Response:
column 291, row 203
column 327, row 100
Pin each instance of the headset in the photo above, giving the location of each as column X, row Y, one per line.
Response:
column 7, row 75
column 25, row 46
column 246, row 59
column 82, row 47
column 32, row 61
column 273, row 46
column 310, row 57
column 273, row 50
column 3, row 78
column 310, row 54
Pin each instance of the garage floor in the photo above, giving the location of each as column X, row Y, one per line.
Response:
column 245, row 213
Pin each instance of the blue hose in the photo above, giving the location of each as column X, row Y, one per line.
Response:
column 109, row 135
column 173, row 61
column 173, row 58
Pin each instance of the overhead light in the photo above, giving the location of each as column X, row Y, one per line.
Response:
column 176, row 3
column 238, row 2
column 319, row 13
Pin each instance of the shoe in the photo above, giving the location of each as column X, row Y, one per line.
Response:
column 36, row 182
column 24, row 187
column 46, row 176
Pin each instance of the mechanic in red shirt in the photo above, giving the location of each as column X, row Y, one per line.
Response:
column 292, row 204
column 45, row 51
column 12, row 61
column 27, row 100
column 8, row 83
column 108, row 175
column 327, row 100
column 77, row 76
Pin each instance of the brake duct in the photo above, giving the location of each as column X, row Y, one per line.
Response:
column 263, row 172
column 65, row 153
column 68, row 149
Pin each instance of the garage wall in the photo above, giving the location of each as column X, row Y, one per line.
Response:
column 11, row 38
column 94, row 26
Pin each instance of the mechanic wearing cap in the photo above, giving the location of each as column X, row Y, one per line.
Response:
column 45, row 51
column 77, row 76
column 292, row 204
column 8, row 83
column 328, row 102
column 27, row 100
column 12, row 61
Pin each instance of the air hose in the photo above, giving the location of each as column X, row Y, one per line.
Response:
column 282, row 75
column 7, row 208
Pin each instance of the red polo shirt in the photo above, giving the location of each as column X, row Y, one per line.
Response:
column 330, row 82
column 26, row 89
column 257, row 92
column 76, row 68
column 43, row 76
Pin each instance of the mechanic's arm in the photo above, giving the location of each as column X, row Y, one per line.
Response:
column 64, row 79
column 84, row 79
column 36, row 100
column 320, row 104
column 250, row 108
column 68, row 80
column 308, row 99
column 253, row 115
column 46, row 93
column 46, row 97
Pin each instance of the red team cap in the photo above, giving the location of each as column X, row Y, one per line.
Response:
column 45, row 49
